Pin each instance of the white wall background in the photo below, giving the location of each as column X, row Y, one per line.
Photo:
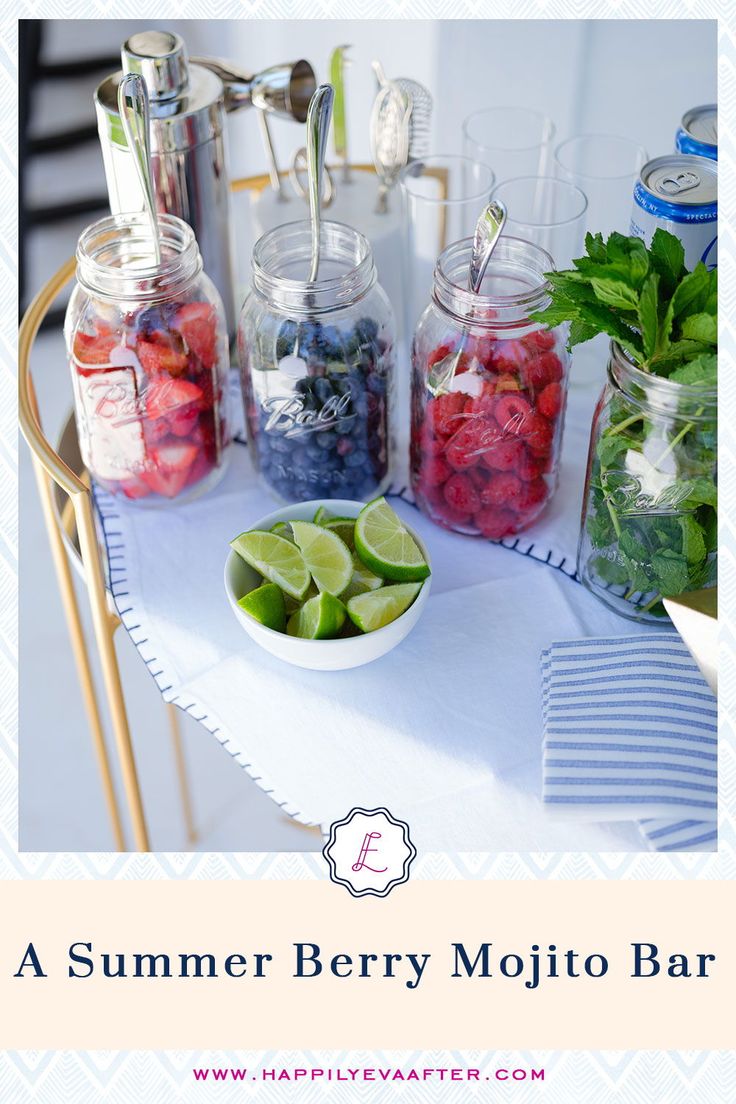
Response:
column 628, row 78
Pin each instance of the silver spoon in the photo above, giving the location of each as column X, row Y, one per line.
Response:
column 488, row 230
column 318, row 126
column 135, row 115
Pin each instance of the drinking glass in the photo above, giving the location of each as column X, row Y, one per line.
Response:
column 442, row 197
column 513, row 141
column 605, row 166
column 546, row 211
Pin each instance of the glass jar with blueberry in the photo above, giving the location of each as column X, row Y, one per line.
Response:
column 317, row 366
column 489, row 386
column 148, row 351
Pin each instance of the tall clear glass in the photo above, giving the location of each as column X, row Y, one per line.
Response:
column 442, row 197
column 513, row 141
column 549, row 212
column 605, row 166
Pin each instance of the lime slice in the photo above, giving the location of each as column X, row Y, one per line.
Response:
column 377, row 608
column 293, row 604
column 345, row 529
column 322, row 515
column 319, row 619
column 277, row 559
column 266, row 604
column 283, row 529
column 327, row 557
column 363, row 580
column 385, row 546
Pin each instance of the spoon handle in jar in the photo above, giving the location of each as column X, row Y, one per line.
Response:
column 318, row 125
column 135, row 115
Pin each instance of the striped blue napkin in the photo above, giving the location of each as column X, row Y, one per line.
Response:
column 630, row 733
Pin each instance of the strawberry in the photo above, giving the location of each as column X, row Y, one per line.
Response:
column 172, row 468
column 511, row 410
column 538, row 434
column 201, row 467
column 134, row 488
column 549, row 402
column 461, row 495
column 495, row 523
column 183, row 423
column 504, row 455
column 540, row 341
column 439, row 354
column 544, row 369
column 503, row 489
column 158, row 359
column 167, row 396
column 90, row 349
column 197, row 324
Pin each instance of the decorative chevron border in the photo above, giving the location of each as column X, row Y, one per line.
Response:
column 119, row 1078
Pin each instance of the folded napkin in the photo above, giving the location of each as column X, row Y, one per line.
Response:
column 630, row 733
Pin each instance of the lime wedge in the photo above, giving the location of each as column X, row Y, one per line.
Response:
column 385, row 546
column 277, row 559
column 318, row 619
column 345, row 529
column 377, row 608
column 326, row 556
column 363, row 580
column 292, row 604
column 266, row 604
column 283, row 529
column 322, row 515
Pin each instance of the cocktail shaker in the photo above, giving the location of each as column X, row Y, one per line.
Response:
column 189, row 100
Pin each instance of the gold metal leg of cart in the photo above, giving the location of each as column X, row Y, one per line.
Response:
column 185, row 793
column 80, row 653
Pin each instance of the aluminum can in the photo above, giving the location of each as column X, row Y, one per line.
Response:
column 679, row 192
column 698, row 132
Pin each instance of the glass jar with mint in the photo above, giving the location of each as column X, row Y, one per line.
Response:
column 649, row 524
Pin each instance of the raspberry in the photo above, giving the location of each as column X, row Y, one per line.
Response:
column 508, row 356
column 504, row 489
column 529, row 467
column 504, row 455
column 482, row 348
column 443, row 412
column 470, row 442
column 461, row 495
column 531, row 495
column 435, row 470
column 544, row 369
column 511, row 411
column 539, row 435
column 439, row 354
column 540, row 341
column 549, row 402
column 494, row 523
column 479, row 477
column 482, row 404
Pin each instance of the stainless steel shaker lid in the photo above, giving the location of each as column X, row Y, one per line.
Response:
column 187, row 100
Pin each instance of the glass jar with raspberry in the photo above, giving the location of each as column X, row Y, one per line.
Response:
column 317, row 366
column 148, row 351
column 488, row 394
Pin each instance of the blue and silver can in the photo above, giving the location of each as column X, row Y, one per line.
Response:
column 698, row 132
column 679, row 193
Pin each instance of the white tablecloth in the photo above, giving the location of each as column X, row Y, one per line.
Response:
column 445, row 731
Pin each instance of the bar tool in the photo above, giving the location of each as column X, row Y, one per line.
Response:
column 135, row 116
column 389, row 134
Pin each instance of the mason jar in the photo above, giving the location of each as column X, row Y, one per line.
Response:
column 649, row 526
column 489, row 387
column 147, row 346
column 317, row 365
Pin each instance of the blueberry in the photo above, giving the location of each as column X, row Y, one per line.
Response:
column 323, row 390
column 314, row 452
column 366, row 329
column 377, row 384
column 326, row 439
column 346, row 425
column 280, row 444
column 356, row 459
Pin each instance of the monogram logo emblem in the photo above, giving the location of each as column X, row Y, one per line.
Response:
column 369, row 852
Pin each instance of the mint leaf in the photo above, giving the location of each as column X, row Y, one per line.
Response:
column 670, row 571
column 692, row 292
column 701, row 372
column 667, row 257
column 693, row 542
column 610, row 571
column 615, row 293
column 648, row 316
column 677, row 354
column 700, row 491
column 596, row 248
column 611, row 446
column 607, row 321
column 701, row 327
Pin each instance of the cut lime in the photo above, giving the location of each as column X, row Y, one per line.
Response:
column 277, row 559
column 386, row 546
column 345, row 529
column 322, row 515
column 293, row 604
column 363, row 580
column 319, row 619
column 377, row 608
column 283, row 529
column 266, row 604
column 327, row 557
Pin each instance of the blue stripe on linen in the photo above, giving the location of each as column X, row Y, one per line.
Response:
column 630, row 732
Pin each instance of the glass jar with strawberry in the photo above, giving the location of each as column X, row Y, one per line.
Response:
column 317, row 366
column 148, row 350
column 488, row 394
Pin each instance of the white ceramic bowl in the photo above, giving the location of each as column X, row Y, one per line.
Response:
column 318, row 655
